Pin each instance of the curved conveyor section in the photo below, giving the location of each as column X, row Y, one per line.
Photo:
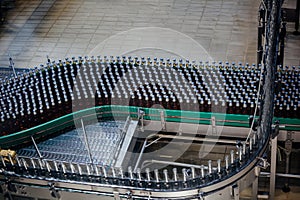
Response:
column 162, row 183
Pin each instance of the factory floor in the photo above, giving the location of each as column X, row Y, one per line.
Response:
column 292, row 44
column 294, row 194
column 220, row 30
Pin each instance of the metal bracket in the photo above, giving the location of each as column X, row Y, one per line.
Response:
column 141, row 115
column 213, row 124
column 129, row 195
column 53, row 191
column 257, row 171
column 288, row 143
column 163, row 120
column 12, row 65
column 235, row 191
column 288, row 150
column 116, row 195
column 263, row 163
column 201, row 195
column 275, row 129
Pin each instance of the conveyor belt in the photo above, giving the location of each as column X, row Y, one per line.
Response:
column 78, row 174
column 103, row 138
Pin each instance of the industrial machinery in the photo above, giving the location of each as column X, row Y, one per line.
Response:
column 141, row 128
column 104, row 149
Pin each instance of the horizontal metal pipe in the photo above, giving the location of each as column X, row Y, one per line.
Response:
column 267, row 174
column 175, row 164
column 198, row 139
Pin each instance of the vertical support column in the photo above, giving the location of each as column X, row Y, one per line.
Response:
column 273, row 167
column 255, row 183
column 235, row 191
column 255, row 189
column 288, row 150
column 163, row 120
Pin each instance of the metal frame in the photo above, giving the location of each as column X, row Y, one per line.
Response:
column 208, row 193
column 273, row 167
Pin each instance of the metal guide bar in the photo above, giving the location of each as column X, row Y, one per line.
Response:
column 199, row 176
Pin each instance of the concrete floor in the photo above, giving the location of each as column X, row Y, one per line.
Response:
column 225, row 29
column 202, row 30
column 292, row 50
column 279, row 194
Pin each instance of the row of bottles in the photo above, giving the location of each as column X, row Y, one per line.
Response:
column 61, row 87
